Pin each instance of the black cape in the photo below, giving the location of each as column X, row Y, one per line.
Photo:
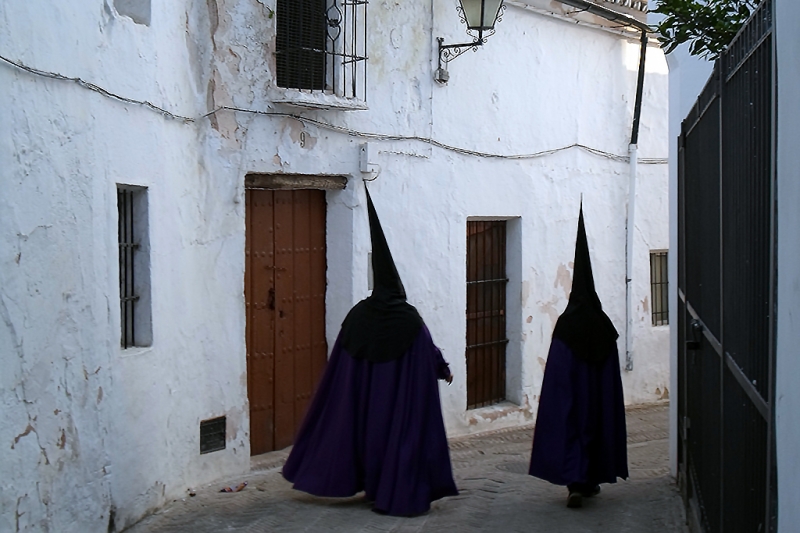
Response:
column 383, row 326
column 583, row 326
column 580, row 433
column 375, row 423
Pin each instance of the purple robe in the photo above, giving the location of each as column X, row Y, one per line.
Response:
column 580, row 434
column 377, row 427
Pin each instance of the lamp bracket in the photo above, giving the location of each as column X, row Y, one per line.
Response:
column 448, row 52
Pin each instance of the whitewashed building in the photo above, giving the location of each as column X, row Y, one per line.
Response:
column 183, row 229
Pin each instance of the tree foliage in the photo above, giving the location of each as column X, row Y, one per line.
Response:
column 707, row 25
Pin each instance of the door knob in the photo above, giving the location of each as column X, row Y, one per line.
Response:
column 697, row 335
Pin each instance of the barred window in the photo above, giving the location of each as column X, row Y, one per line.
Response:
column 659, row 285
column 321, row 46
column 134, row 266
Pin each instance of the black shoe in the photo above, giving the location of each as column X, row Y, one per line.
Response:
column 593, row 492
column 574, row 500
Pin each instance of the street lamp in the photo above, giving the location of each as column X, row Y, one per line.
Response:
column 479, row 16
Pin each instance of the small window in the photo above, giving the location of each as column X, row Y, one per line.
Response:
column 212, row 435
column 659, row 288
column 134, row 267
column 487, row 284
column 321, row 46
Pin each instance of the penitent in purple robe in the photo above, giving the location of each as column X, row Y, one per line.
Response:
column 377, row 427
column 580, row 434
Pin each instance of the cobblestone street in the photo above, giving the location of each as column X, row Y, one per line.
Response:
column 496, row 495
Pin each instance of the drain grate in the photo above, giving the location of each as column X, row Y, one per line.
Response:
column 212, row 435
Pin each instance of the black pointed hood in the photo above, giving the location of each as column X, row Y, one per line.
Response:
column 383, row 326
column 386, row 280
column 584, row 326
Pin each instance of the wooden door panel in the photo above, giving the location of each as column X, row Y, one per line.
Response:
column 303, row 384
column 284, row 319
column 486, row 303
column 285, row 280
column 259, row 296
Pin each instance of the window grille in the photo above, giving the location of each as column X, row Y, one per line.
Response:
column 659, row 288
column 212, row 435
column 134, row 268
column 486, row 313
column 321, row 46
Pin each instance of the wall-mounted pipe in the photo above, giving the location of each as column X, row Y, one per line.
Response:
column 630, row 222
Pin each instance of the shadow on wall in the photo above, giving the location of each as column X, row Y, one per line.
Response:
column 136, row 10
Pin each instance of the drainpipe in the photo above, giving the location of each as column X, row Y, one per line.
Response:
column 630, row 222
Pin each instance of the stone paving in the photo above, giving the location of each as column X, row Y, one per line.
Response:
column 496, row 494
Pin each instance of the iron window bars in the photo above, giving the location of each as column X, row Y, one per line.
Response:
column 321, row 46
column 212, row 435
column 134, row 266
column 659, row 284
column 127, row 249
column 486, row 313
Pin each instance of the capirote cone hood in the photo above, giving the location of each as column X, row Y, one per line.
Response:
column 383, row 326
column 584, row 326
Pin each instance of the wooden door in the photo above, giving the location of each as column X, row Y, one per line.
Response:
column 285, row 300
column 486, row 312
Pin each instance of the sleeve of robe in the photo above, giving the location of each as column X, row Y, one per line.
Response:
column 442, row 367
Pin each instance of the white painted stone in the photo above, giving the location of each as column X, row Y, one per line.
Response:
column 90, row 427
column 787, row 395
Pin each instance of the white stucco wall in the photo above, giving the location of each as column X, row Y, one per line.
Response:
column 86, row 427
column 91, row 427
column 787, row 397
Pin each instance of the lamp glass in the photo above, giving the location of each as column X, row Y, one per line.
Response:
column 472, row 12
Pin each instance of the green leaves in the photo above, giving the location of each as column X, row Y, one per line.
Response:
column 707, row 25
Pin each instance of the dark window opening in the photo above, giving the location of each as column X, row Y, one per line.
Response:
column 300, row 50
column 212, row 435
column 134, row 267
column 486, row 313
column 321, row 46
column 659, row 286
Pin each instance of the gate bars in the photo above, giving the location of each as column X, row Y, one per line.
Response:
column 726, row 289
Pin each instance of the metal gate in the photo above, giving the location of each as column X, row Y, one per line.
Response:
column 486, row 312
column 285, row 299
column 726, row 282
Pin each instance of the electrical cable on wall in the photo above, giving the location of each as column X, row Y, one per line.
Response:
column 326, row 125
column 96, row 88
